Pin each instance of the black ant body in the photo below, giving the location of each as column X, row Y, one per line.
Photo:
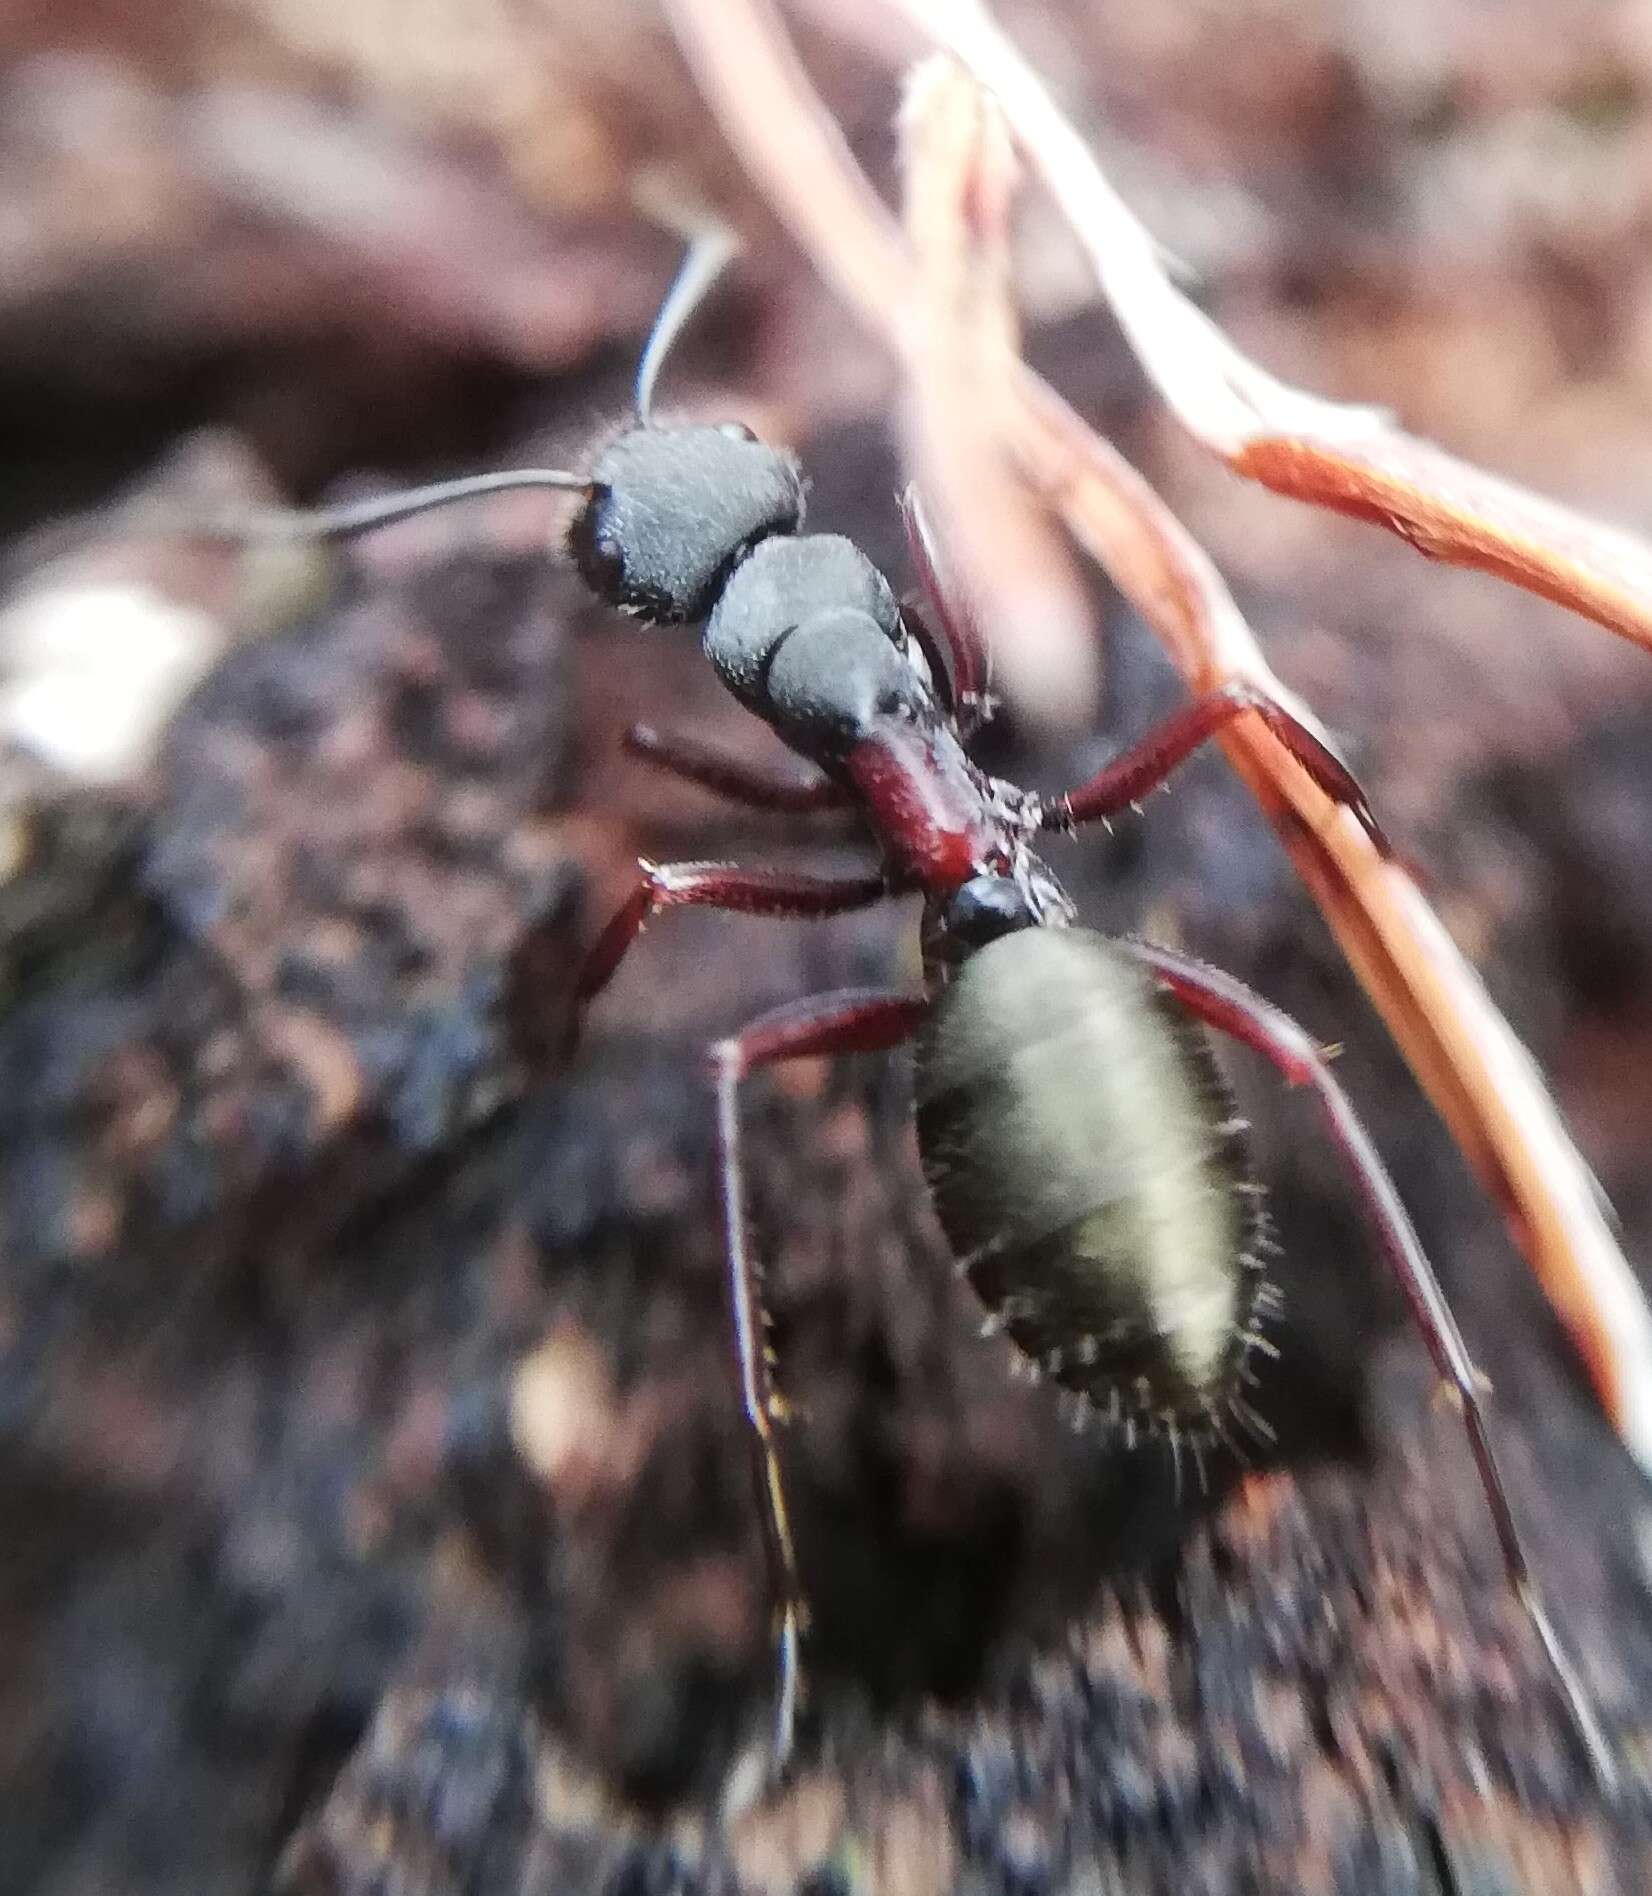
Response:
column 1075, row 1133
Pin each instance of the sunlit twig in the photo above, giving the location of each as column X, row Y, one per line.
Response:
column 1352, row 460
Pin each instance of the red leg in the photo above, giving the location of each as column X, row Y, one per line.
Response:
column 731, row 776
column 713, row 885
column 1146, row 764
column 1231, row 1007
column 963, row 656
column 854, row 1021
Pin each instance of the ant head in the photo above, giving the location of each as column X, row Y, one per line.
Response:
column 672, row 511
column 668, row 512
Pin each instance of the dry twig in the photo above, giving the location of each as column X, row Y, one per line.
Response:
column 1015, row 567
column 1350, row 459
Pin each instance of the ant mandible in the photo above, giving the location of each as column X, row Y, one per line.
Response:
column 1075, row 1133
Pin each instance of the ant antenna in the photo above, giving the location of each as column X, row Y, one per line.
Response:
column 362, row 516
column 707, row 257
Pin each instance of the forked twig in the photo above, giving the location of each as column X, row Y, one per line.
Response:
column 1352, row 460
column 1472, row 1067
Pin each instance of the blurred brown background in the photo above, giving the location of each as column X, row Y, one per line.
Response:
column 375, row 1510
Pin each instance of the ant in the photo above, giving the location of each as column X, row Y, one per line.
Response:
column 1077, row 1138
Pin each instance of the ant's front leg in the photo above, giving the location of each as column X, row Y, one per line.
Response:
column 1229, row 1006
column 717, row 885
column 731, row 776
column 852, row 1021
column 1146, row 764
column 964, row 654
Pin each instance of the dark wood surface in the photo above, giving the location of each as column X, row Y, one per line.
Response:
column 376, row 1509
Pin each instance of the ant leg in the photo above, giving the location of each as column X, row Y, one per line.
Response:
column 713, row 885
column 968, row 665
column 731, row 776
column 1229, row 1006
column 853, row 1021
column 1146, row 764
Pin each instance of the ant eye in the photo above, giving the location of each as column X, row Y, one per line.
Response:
column 735, row 431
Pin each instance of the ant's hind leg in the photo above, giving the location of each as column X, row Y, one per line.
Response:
column 730, row 776
column 717, row 885
column 1151, row 759
column 853, row 1021
column 1230, row 1007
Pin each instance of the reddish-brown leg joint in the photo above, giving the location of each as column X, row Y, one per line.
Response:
column 1149, row 761
column 854, row 1021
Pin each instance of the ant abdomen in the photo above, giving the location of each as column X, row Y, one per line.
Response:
column 672, row 511
column 1090, row 1176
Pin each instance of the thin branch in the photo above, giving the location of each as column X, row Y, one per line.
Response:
column 1353, row 460
column 1014, row 563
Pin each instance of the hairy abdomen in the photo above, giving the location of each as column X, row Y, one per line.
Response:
column 1088, row 1172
